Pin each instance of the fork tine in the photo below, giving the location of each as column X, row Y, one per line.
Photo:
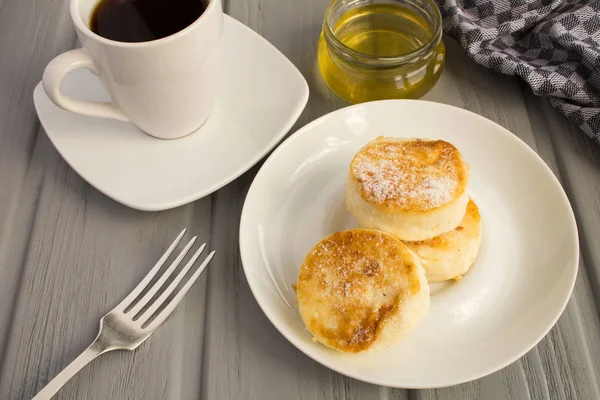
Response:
column 162, row 316
column 127, row 302
column 169, row 290
column 144, row 301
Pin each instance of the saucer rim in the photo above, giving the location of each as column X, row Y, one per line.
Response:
column 294, row 115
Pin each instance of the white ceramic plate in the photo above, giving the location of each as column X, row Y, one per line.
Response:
column 262, row 97
column 512, row 296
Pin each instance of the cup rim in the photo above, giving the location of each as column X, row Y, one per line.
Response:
column 85, row 29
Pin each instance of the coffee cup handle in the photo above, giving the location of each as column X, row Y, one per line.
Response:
column 61, row 66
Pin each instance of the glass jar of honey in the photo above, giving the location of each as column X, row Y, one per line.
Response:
column 381, row 49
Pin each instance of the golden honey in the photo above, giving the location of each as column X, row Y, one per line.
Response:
column 381, row 49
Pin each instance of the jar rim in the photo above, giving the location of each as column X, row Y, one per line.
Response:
column 370, row 61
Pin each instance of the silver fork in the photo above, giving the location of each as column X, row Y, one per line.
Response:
column 126, row 327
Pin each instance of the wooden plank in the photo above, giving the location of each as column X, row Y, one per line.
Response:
column 85, row 254
column 24, row 56
column 68, row 253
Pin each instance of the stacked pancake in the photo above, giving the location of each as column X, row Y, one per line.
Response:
column 417, row 191
column 364, row 289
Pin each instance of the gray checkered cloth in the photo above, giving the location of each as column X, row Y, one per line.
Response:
column 554, row 45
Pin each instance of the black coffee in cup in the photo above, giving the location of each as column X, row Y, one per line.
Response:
column 144, row 20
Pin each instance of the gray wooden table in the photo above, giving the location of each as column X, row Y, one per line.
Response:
column 68, row 253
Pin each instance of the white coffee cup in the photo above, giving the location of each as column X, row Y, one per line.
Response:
column 167, row 87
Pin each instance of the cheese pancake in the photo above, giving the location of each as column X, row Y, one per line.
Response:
column 361, row 290
column 415, row 189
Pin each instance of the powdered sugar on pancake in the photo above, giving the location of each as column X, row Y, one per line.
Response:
column 415, row 174
column 352, row 283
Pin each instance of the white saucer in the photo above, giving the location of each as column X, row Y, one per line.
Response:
column 263, row 96
column 505, row 304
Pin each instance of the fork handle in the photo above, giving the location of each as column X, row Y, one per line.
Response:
column 93, row 351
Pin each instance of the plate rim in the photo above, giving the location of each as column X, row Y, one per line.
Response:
column 276, row 138
column 382, row 382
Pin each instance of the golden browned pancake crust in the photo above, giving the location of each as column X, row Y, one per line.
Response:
column 450, row 255
column 409, row 175
column 350, row 284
